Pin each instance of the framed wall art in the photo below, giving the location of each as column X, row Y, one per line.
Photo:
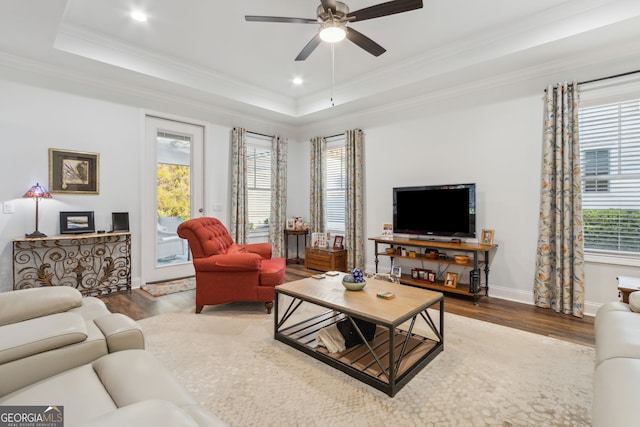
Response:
column 73, row 172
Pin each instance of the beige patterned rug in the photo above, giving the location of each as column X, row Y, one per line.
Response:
column 488, row 375
column 159, row 289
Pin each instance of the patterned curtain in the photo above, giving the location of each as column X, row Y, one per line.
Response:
column 278, row 215
column 316, row 202
column 354, row 222
column 239, row 197
column 559, row 279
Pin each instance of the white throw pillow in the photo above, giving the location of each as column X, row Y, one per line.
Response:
column 634, row 301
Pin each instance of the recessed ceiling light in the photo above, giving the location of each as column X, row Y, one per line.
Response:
column 297, row 80
column 139, row 16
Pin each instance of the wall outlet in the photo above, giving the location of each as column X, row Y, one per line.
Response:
column 7, row 208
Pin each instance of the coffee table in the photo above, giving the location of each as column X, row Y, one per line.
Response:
column 395, row 355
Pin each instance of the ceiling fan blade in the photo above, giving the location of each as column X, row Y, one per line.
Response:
column 365, row 42
column 385, row 9
column 329, row 5
column 310, row 47
column 253, row 18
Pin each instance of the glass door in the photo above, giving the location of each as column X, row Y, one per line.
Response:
column 174, row 153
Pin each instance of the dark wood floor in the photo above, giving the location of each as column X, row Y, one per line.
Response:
column 138, row 304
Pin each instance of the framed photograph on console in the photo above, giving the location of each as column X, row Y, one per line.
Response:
column 73, row 172
column 451, row 280
column 396, row 271
column 337, row 242
column 487, row 237
column 77, row 222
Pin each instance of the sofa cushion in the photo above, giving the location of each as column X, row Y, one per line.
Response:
column 26, row 304
column 634, row 301
column 615, row 393
column 41, row 334
column 79, row 390
column 156, row 413
column 146, row 378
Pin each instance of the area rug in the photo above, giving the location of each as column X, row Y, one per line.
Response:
column 159, row 289
column 487, row 375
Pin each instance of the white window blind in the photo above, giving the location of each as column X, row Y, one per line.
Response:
column 335, row 185
column 609, row 137
column 258, row 183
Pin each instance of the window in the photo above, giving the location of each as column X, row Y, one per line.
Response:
column 258, row 183
column 610, row 163
column 596, row 162
column 335, row 185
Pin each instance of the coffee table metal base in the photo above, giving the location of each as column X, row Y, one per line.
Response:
column 388, row 362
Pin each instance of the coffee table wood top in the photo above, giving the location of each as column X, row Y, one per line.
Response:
column 330, row 293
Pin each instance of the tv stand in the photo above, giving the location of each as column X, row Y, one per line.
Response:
column 478, row 256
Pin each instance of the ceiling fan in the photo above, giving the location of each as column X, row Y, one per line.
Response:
column 333, row 17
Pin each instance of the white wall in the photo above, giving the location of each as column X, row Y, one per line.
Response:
column 492, row 138
column 33, row 120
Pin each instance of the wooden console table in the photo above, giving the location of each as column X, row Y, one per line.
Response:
column 479, row 256
column 95, row 264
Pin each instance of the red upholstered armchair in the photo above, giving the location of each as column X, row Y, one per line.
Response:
column 227, row 272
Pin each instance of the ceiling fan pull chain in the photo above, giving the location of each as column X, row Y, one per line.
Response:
column 333, row 72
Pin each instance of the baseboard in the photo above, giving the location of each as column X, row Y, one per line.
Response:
column 135, row 283
column 526, row 297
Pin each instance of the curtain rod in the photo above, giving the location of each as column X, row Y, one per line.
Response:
column 609, row 77
column 333, row 136
column 260, row 134
column 599, row 79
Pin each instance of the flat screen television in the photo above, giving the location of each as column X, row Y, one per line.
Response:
column 435, row 210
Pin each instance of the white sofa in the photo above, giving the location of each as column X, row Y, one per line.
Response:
column 57, row 348
column 617, row 369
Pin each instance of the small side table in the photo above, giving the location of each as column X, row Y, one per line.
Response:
column 626, row 285
column 297, row 233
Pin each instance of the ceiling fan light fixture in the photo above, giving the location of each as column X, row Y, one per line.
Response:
column 333, row 32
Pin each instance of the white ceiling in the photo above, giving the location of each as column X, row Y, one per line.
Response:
column 205, row 50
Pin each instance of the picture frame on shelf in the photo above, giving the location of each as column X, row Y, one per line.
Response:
column 74, row 172
column 486, row 238
column 319, row 240
column 77, row 222
column 337, row 242
column 290, row 224
column 431, row 277
column 451, row 280
column 396, row 271
column 387, row 231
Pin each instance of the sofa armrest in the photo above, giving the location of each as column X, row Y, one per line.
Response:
column 121, row 332
column 24, row 304
column 236, row 262
column 265, row 250
column 33, row 336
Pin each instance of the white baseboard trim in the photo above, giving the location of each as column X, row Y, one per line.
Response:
column 526, row 297
column 135, row 282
